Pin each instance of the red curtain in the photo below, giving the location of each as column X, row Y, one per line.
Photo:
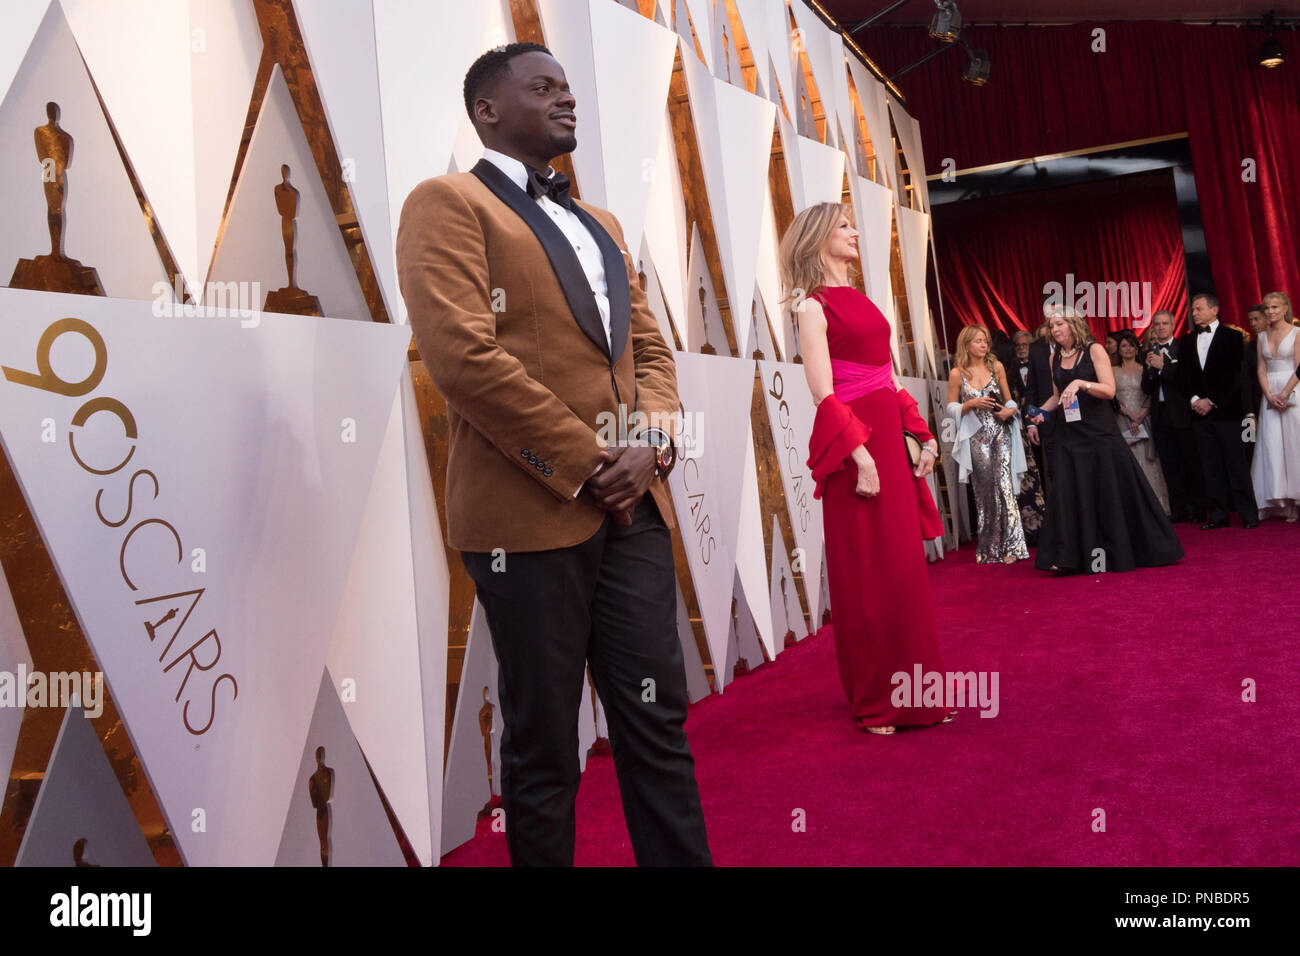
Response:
column 996, row 255
column 1052, row 90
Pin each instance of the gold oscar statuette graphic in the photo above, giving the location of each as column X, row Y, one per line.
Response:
column 79, row 854
column 291, row 299
column 55, row 272
column 753, row 318
column 486, row 716
column 320, row 787
column 742, row 665
column 789, row 631
column 707, row 348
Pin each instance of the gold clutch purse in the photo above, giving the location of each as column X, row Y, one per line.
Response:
column 913, row 445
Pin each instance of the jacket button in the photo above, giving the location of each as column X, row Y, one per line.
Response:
column 547, row 471
column 525, row 453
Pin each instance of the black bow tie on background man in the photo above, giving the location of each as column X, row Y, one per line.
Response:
column 1200, row 329
column 555, row 187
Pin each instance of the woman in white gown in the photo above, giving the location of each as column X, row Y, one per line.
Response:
column 1275, row 472
column 1134, row 415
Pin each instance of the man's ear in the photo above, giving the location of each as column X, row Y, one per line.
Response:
column 485, row 113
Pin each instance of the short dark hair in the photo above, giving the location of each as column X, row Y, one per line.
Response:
column 1210, row 298
column 1258, row 307
column 491, row 66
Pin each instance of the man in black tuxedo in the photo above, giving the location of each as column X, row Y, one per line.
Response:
column 1210, row 373
column 1171, row 422
column 1038, row 389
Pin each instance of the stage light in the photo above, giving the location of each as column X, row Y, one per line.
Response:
column 946, row 25
column 1271, row 54
column 977, row 70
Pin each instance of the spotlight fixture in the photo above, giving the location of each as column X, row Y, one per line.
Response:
column 1270, row 53
column 977, row 70
column 946, row 25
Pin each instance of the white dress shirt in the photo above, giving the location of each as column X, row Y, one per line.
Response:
column 1165, row 346
column 1203, row 348
column 584, row 244
column 579, row 236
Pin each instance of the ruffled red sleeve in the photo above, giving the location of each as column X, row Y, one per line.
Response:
column 912, row 419
column 836, row 432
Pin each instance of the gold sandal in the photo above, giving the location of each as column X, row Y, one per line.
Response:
column 880, row 730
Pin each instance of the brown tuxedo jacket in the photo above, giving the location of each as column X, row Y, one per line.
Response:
column 508, row 328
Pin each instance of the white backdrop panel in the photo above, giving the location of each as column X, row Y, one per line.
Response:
column 358, row 831
column 255, row 445
column 422, row 51
column 665, row 227
column 21, row 18
column 790, row 412
column 913, row 241
column 252, row 247
column 80, row 799
column 874, row 207
column 374, row 643
column 340, row 41
column 909, row 135
column 734, row 133
column 98, row 191
column 13, row 657
column 149, row 98
column 872, row 96
column 704, row 481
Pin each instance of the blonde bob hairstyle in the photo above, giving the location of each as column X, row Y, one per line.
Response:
column 802, row 268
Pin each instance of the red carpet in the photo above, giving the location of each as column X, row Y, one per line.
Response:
column 1120, row 692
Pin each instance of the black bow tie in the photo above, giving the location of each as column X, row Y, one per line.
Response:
column 556, row 187
column 1203, row 330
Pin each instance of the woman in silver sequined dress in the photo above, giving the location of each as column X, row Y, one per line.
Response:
column 988, row 448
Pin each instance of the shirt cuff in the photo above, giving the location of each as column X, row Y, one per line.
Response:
column 589, row 477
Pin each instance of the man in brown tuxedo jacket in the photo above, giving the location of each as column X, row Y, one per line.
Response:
column 531, row 321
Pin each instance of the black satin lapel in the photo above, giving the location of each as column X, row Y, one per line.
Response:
column 564, row 261
column 616, row 287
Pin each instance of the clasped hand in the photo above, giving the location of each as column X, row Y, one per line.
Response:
column 624, row 480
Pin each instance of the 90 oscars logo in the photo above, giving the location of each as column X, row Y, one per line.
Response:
column 138, row 543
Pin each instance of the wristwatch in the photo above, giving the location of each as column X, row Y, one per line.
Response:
column 665, row 453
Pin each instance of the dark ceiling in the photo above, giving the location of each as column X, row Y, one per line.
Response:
column 851, row 12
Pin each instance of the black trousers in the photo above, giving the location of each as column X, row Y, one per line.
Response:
column 610, row 602
column 1180, row 460
column 1227, row 478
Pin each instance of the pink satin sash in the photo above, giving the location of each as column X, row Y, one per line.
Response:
column 853, row 380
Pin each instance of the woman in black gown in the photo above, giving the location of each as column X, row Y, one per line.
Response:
column 1101, row 512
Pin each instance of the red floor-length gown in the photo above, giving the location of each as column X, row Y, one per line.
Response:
column 882, row 610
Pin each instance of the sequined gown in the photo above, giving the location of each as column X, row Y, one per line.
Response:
column 1128, row 391
column 1001, row 533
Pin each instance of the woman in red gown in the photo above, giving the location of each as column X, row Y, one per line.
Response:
column 875, row 509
